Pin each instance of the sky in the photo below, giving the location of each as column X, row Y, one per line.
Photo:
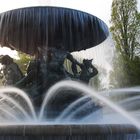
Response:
column 99, row 8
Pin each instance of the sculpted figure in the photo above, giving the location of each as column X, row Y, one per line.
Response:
column 87, row 71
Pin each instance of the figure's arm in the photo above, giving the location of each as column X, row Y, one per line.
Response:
column 72, row 59
column 74, row 64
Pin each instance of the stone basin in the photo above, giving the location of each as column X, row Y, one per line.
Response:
column 69, row 132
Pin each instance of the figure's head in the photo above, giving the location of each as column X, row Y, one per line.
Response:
column 87, row 62
column 6, row 60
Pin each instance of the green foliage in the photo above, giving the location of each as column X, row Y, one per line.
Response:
column 125, row 26
column 23, row 61
column 125, row 29
column 126, row 73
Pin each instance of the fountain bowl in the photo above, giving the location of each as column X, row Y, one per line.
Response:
column 69, row 131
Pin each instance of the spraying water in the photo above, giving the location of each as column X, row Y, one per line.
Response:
column 15, row 91
column 14, row 111
column 71, row 107
column 89, row 91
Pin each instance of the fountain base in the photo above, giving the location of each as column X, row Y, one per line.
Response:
column 69, row 132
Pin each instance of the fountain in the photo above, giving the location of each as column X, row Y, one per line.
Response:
column 70, row 123
column 69, row 109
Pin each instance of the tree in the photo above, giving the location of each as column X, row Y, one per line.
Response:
column 126, row 73
column 125, row 27
column 125, row 30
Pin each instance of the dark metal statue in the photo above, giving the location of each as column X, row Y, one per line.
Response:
column 48, row 68
column 54, row 59
column 10, row 72
column 87, row 71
